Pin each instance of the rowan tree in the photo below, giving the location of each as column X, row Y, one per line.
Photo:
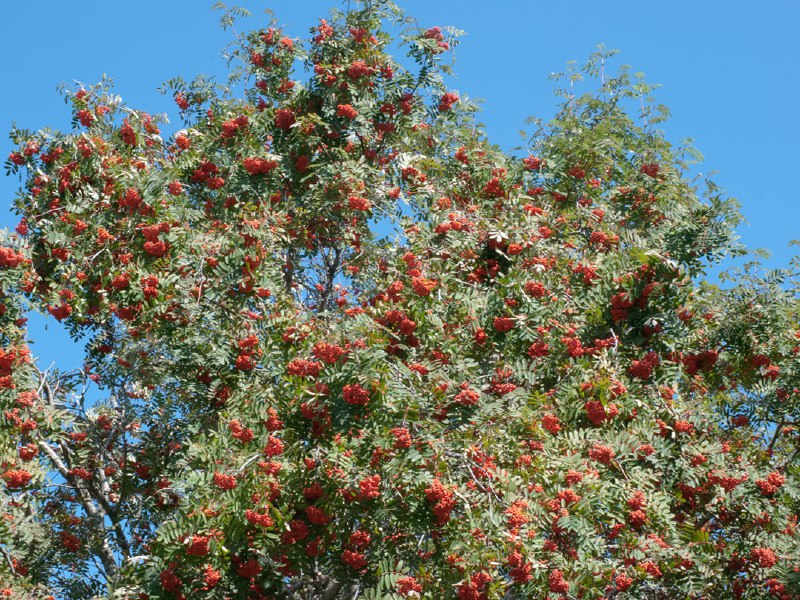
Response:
column 342, row 346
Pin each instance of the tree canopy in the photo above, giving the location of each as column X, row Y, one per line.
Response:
column 339, row 345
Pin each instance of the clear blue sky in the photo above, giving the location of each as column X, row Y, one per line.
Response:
column 728, row 70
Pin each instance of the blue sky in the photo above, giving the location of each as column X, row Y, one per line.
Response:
column 727, row 68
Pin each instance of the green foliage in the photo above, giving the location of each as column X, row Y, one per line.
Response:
column 348, row 348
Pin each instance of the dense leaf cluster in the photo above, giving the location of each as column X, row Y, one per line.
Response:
column 345, row 347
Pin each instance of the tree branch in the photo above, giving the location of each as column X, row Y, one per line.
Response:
column 332, row 590
column 9, row 560
column 97, row 515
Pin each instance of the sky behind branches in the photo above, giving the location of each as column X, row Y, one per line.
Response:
column 728, row 71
